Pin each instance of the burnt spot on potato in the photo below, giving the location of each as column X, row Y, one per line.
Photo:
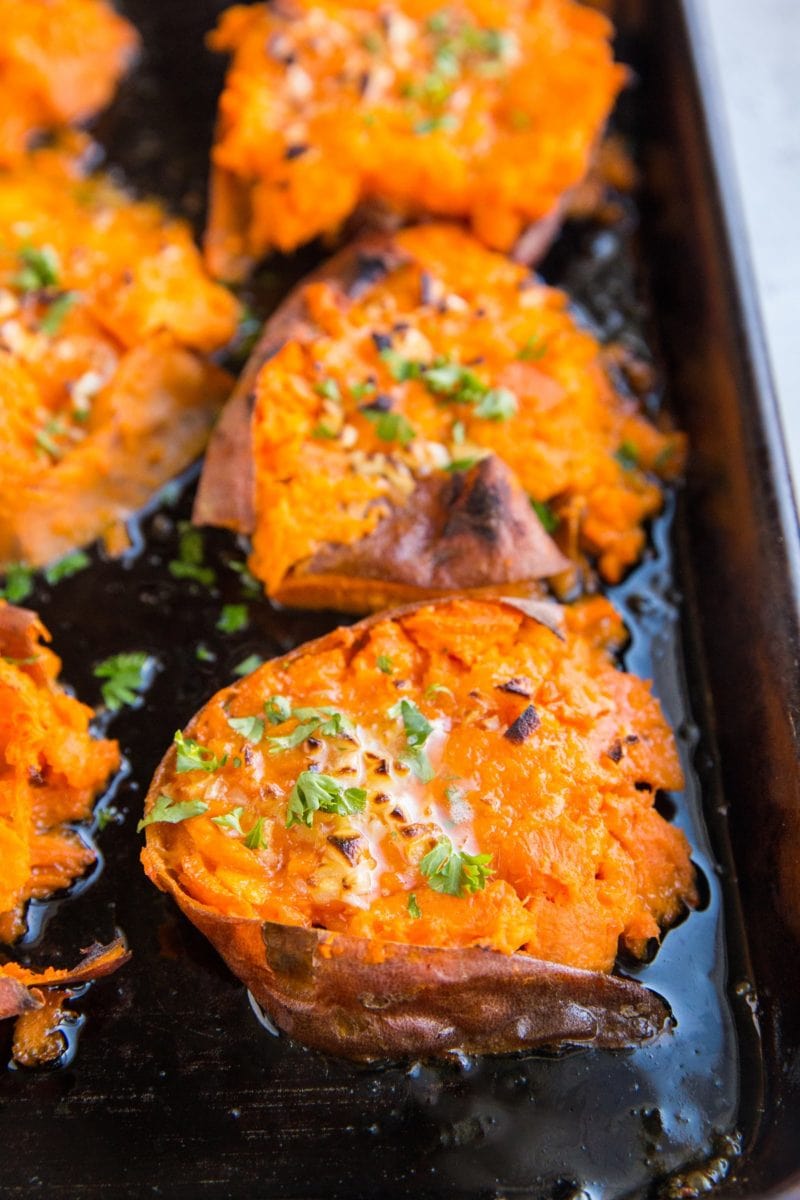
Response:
column 526, row 723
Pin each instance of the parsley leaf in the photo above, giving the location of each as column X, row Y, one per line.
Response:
column 384, row 664
column 39, row 268
column 400, row 368
column 56, row 313
column 534, row 348
column 19, row 583
column 233, row 618
column 627, row 456
column 189, row 563
column 125, row 675
column 497, row 405
column 455, row 871
column 256, row 839
column 391, row 426
column 417, row 729
column 413, row 907
column 251, row 728
column 171, row 812
column 203, row 654
column 324, row 721
column 194, row 757
column 277, row 710
column 231, row 820
column 330, row 389
column 321, row 793
column 248, row 665
column 69, row 565
column 546, row 515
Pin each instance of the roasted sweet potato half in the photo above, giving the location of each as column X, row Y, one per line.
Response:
column 60, row 61
column 432, row 831
column 106, row 320
column 51, row 771
column 413, row 417
column 487, row 110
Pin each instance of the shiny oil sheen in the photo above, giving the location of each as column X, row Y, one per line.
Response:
column 176, row 1088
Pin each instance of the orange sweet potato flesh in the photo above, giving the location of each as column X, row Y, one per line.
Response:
column 334, row 508
column 60, row 61
column 487, row 110
column 51, row 771
column 105, row 388
column 542, row 755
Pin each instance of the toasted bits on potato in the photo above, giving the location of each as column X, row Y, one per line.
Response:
column 106, row 318
column 488, row 110
column 422, row 415
column 51, row 771
column 353, row 818
column 60, row 62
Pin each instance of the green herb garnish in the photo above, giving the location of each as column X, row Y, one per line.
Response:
column 194, row 757
column 417, row 730
column 171, row 812
column 498, row 404
column 627, row 456
column 189, row 564
column 248, row 665
column 321, row 793
column 69, row 565
column 231, row 820
column 250, row 728
column 233, row 618
column 546, row 515
column 454, row 871
column 256, row 839
column 39, row 269
column 277, row 710
column 125, row 676
column 391, row 426
column 330, row 389
column 534, row 348
column 385, row 664
column 413, row 907
column 56, row 313
column 19, row 583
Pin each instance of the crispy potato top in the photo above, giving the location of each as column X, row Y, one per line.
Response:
column 51, row 770
column 449, row 775
column 104, row 310
column 60, row 61
column 455, row 353
column 484, row 109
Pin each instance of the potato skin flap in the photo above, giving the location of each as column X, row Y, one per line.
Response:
column 390, row 873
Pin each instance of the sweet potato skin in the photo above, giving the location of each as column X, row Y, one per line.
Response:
column 368, row 1000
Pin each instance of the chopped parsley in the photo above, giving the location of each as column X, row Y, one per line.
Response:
column 314, row 793
column 326, row 722
column 190, row 561
column 203, row 654
column 19, row 583
column 498, row 404
column 250, row 585
column 248, row 665
column 451, row 381
column 107, row 816
column 256, row 839
column 277, row 710
column 231, row 820
column 39, row 269
column 69, row 565
column 384, row 664
column 413, row 907
column 329, row 389
column 627, row 456
column 233, row 618
column 417, row 730
column 391, row 426
column 56, row 313
column 250, row 728
column 441, row 122
column 463, row 464
column 362, row 390
column 534, row 348
column 44, row 438
column 323, row 431
column 194, row 757
column 544, row 512
column 171, row 812
column 455, row 872
column 125, row 676
column 401, row 369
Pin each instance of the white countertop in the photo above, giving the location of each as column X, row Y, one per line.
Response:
column 756, row 47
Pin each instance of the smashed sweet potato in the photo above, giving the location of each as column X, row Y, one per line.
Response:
column 106, row 318
column 51, row 771
column 413, row 417
column 60, row 61
column 488, row 110
column 432, row 830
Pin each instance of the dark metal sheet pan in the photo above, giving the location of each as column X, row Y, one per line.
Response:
column 175, row 1089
